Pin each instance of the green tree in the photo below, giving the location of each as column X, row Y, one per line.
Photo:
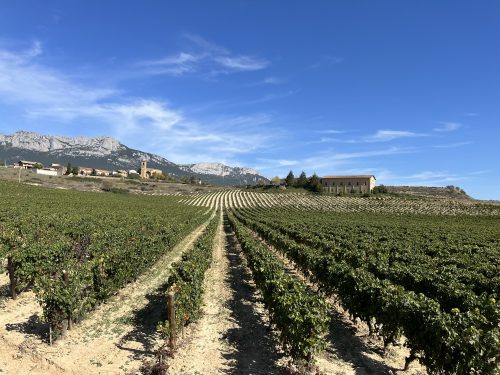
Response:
column 276, row 180
column 75, row 171
column 379, row 190
column 313, row 181
column 94, row 172
column 318, row 187
column 301, row 182
column 68, row 169
column 290, row 179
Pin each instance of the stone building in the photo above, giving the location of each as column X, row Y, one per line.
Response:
column 146, row 172
column 348, row 184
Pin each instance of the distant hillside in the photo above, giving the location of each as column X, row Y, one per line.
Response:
column 450, row 192
column 108, row 153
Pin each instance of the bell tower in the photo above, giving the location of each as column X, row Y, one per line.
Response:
column 144, row 168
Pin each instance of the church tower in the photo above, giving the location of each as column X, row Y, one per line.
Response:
column 144, row 169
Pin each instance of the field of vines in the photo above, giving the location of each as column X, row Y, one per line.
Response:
column 330, row 203
column 433, row 280
column 423, row 272
column 77, row 249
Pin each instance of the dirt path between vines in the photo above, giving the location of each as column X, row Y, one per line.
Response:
column 233, row 336
column 116, row 338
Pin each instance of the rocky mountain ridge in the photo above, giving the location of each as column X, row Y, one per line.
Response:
column 109, row 153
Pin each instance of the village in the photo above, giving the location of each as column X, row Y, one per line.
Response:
column 361, row 184
column 56, row 169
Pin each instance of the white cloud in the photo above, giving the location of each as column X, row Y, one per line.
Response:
column 41, row 93
column 327, row 60
column 453, row 145
column 331, row 131
column 389, row 135
column 447, row 127
column 329, row 162
column 241, row 63
column 207, row 58
column 274, row 80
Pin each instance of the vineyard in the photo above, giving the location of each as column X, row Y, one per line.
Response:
column 424, row 278
column 377, row 204
column 260, row 282
column 76, row 250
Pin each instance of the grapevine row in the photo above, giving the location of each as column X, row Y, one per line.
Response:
column 300, row 316
column 188, row 274
column 451, row 343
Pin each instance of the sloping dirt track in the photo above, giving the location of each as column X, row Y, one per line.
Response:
column 232, row 337
column 114, row 339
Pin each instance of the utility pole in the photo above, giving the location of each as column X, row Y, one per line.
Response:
column 19, row 174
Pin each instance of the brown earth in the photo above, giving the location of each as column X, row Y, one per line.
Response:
column 116, row 338
column 233, row 336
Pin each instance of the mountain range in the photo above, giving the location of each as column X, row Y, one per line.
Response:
column 109, row 153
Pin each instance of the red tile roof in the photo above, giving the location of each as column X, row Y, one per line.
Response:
column 347, row 177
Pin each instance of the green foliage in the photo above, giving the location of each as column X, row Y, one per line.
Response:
column 102, row 241
column 187, row 277
column 290, row 179
column 107, row 185
column 300, row 316
column 276, row 180
column 449, row 327
column 381, row 189
column 301, row 182
column 134, row 176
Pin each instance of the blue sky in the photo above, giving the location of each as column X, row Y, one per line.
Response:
column 408, row 91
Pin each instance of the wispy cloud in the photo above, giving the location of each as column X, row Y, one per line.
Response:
column 39, row 92
column 325, row 162
column 453, row 145
column 471, row 114
column 203, row 57
column 269, row 97
column 276, row 163
column 389, row 135
column 447, row 126
column 327, row 60
column 274, row 80
column 268, row 81
column 378, row 136
column 331, row 131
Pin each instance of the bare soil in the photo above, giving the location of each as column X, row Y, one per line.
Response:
column 233, row 337
column 116, row 338
column 94, row 184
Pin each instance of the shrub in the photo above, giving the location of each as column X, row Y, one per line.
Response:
column 107, row 186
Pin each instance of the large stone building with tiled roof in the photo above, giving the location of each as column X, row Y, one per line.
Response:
column 348, row 184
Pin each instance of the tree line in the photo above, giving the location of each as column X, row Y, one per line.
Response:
column 312, row 183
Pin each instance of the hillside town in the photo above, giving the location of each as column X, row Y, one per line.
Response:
column 56, row 169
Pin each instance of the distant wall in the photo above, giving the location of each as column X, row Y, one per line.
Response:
column 46, row 172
